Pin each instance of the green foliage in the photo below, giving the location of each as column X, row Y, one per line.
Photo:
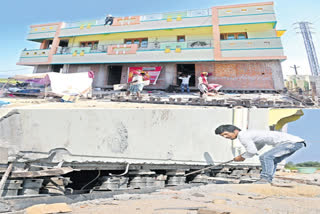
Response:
column 309, row 164
column 291, row 165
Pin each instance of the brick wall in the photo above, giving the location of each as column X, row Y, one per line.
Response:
column 244, row 75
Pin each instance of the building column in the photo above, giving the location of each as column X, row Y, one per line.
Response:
column 216, row 34
column 55, row 43
column 44, row 44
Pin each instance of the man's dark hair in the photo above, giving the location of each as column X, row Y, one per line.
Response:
column 226, row 128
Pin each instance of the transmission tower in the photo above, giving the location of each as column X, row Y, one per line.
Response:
column 311, row 51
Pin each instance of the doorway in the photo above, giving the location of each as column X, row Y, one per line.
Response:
column 114, row 76
column 187, row 69
column 57, row 68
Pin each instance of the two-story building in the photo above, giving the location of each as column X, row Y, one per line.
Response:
column 238, row 45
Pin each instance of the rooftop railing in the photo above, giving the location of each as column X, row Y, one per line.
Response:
column 150, row 17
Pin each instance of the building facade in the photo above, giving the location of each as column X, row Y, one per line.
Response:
column 310, row 85
column 238, row 45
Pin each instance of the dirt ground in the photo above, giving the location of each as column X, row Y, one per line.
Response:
column 210, row 199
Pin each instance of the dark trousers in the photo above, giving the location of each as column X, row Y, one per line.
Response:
column 108, row 21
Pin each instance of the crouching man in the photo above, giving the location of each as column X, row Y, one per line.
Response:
column 283, row 145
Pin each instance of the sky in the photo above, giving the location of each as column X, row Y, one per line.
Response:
column 17, row 15
column 307, row 127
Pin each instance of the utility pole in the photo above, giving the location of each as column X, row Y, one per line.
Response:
column 295, row 68
column 311, row 51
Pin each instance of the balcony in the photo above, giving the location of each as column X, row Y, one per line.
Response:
column 44, row 31
column 255, row 47
column 151, row 52
column 33, row 57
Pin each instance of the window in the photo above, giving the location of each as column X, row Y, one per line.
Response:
column 259, row 9
column 92, row 44
column 181, row 38
column 232, row 36
column 144, row 43
column 242, row 36
column 244, row 10
column 141, row 42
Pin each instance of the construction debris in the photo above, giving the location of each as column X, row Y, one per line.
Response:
column 210, row 211
column 41, row 173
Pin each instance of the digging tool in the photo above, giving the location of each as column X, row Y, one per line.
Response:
column 213, row 166
column 209, row 167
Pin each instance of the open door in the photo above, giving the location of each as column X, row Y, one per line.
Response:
column 114, row 75
column 188, row 69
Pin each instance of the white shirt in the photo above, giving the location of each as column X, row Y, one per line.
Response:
column 137, row 78
column 185, row 80
column 254, row 140
column 200, row 80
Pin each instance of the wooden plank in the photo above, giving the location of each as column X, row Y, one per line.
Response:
column 4, row 178
column 41, row 173
column 120, row 87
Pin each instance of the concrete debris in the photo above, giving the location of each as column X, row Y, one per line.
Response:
column 227, row 100
column 125, row 197
column 301, row 181
column 258, row 198
column 198, row 195
column 49, row 209
column 209, row 211
column 41, row 173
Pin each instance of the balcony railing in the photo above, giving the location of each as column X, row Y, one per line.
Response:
column 35, row 53
column 257, row 43
column 196, row 44
column 151, row 17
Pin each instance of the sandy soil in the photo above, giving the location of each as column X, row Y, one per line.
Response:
column 233, row 198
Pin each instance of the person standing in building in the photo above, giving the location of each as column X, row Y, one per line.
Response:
column 205, row 87
column 185, row 82
column 284, row 145
column 108, row 20
column 136, row 85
